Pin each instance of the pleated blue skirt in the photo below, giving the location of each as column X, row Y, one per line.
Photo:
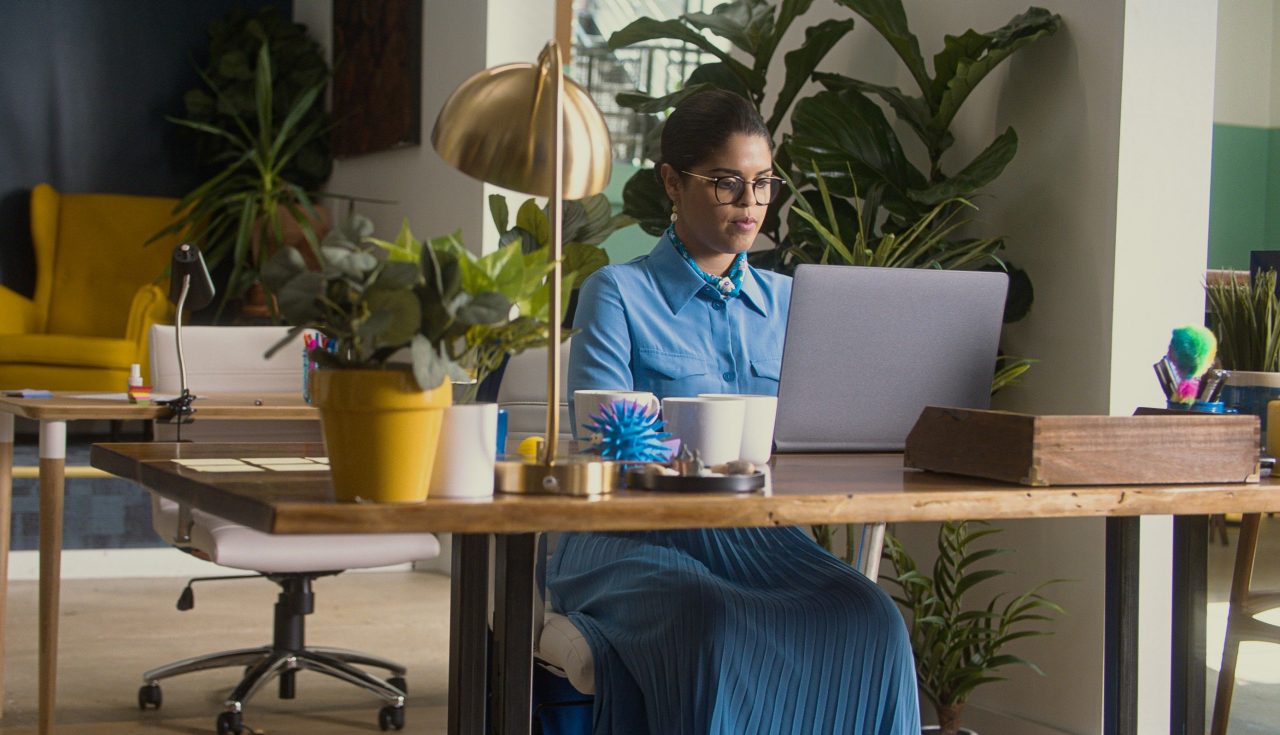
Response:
column 734, row 631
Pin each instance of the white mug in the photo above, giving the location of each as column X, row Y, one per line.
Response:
column 757, row 424
column 466, row 453
column 588, row 403
column 712, row 426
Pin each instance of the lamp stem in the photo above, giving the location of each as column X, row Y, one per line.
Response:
column 551, row 58
column 177, row 331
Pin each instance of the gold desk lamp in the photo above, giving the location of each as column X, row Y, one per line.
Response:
column 525, row 127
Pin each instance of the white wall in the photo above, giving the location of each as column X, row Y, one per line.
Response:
column 1246, row 64
column 458, row 40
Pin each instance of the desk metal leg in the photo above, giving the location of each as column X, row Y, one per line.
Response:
column 6, row 521
column 1120, row 693
column 53, row 459
column 513, row 633
column 469, row 634
column 1190, row 598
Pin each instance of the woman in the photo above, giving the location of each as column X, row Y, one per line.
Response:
column 717, row 630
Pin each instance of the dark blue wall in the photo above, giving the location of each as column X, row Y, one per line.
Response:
column 84, row 88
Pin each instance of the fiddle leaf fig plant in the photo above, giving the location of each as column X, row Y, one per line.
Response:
column 373, row 299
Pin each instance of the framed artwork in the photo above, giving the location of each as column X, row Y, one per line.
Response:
column 377, row 79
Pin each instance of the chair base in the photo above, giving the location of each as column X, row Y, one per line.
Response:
column 281, row 661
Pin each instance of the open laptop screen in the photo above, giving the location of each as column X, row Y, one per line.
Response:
column 868, row 348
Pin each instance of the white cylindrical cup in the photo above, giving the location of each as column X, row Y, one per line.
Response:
column 712, row 426
column 466, row 453
column 757, row 424
column 588, row 403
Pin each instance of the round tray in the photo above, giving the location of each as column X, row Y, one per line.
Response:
column 638, row 479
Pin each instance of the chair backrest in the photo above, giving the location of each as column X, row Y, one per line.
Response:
column 523, row 393
column 95, row 247
column 225, row 359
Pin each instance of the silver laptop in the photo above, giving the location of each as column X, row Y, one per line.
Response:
column 868, row 348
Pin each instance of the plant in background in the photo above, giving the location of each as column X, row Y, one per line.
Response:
column 375, row 298
column 841, row 137
column 263, row 138
column 1245, row 317
column 755, row 28
column 958, row 646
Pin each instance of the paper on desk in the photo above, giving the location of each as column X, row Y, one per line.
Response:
column 29, row 393
column 155, row 397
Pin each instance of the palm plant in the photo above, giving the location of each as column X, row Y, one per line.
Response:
column 958, row 646
column 241, row 209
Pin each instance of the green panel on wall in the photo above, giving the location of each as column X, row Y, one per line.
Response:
column 1240, row 196
column 629, row 242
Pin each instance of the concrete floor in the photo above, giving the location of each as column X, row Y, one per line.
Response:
column 112, row 630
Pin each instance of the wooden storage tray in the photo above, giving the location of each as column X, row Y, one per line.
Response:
column 1085, row 450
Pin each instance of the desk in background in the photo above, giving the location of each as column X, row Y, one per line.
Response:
column 807, row 489
column 53, row 414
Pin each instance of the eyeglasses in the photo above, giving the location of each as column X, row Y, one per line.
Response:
column 729, row 188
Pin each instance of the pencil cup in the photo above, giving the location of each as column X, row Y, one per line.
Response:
column 588, row 403
column 712, row 426
column 757, row 424
column 467, row 451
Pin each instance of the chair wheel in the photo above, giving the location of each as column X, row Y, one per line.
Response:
column 399, row 683
column 230, row 723
column 149, row 695
column 391, row 718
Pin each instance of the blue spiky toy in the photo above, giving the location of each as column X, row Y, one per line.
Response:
column 629, row 433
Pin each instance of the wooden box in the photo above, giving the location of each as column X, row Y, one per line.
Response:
column 1085, row 450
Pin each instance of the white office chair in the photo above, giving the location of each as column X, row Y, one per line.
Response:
column 229, row 359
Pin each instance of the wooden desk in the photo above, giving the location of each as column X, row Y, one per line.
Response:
column 53, row 414
column 806, row 489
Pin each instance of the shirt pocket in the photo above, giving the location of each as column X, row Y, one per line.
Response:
column 671, row 373
column 769, row 368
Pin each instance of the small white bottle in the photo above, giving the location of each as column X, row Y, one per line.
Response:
column 135, row 375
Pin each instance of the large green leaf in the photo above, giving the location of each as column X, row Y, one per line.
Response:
column 642, row 30
column 402, row 317
column 981, row 171
column 969, row 72
column 788, row 11
column 645, row 200
column 641, row 102
column 914, row 111
column 800, row 63
column 890, row 19
column 747, row 24
column 843, row 131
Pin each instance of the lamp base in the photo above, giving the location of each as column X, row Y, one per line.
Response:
column 577, row 475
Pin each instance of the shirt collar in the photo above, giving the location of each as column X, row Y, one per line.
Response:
column 679, row 284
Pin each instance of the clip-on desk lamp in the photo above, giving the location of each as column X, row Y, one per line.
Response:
column 527, row 128
column 189, row 287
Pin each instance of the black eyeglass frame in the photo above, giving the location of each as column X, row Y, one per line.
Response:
column 773, row 183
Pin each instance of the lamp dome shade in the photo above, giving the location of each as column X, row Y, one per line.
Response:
column 498, row 126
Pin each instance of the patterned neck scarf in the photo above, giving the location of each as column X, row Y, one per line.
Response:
column 726, row 287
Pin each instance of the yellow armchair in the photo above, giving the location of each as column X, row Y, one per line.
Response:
column 96, row 293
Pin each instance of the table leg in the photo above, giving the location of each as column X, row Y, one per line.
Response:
column 53, row 460
column 1190, row 598
column 469, row 634
column 6, row 521
column 513, row 632
column 1120, row 656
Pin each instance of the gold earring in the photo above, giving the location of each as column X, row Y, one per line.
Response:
column 673, row 212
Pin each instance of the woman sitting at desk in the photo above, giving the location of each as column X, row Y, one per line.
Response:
column 752, row 630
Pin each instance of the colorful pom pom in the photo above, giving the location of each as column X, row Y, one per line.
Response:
column 1192, row 350
column 629, row 433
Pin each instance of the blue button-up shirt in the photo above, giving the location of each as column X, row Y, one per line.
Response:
column 654, row 325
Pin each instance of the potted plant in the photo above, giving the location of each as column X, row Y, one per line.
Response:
column 262, row 138
column 1244, row 315
column 370, row 300
column 959, row 646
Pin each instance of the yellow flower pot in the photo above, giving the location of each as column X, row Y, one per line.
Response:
column 380, row 431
